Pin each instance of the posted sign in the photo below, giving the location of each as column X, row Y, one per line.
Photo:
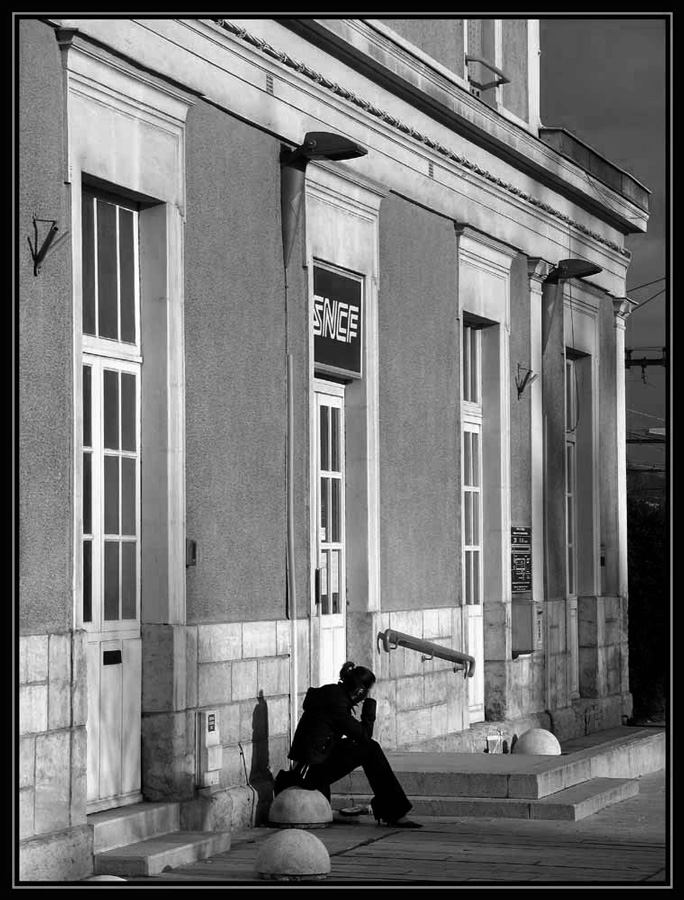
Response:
column 337, row 322
column 521, row 559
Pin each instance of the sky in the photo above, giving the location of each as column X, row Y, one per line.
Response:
column 606, row 79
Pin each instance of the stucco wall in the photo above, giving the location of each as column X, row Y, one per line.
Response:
column 45, row 354
column 236, row 412
column 442, row 39
column 521, row 506
column 419, row 447
column 514, row 45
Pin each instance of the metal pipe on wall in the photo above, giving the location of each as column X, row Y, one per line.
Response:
column 291, row 580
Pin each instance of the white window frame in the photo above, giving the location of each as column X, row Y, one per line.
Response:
column 494, row 31
column 97, row 623
column 100, row 354
column 471, row 418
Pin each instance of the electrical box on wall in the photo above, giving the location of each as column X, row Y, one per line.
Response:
column 527, row 620
column 209, row 748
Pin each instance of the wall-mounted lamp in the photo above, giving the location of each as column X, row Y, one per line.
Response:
column 571, row 268
column 293, row 163
column 562, row 271
column 524, row 378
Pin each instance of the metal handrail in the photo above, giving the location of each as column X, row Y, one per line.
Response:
column 392, row 639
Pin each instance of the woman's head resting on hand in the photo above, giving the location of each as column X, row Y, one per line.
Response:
column 358, row 681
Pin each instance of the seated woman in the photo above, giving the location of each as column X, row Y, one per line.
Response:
column 330, row 742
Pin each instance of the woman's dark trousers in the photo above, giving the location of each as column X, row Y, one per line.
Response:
column 389, row 802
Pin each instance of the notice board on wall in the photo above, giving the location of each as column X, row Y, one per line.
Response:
column 521, row 559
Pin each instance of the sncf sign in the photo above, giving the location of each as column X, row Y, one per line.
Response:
column 337, row 322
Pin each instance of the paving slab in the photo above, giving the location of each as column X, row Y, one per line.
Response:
column 625, row 844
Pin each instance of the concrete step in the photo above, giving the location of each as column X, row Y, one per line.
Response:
column 152, row 856
column 622, row 752
column 115, row 828
column 571, row 804
column 145, row 839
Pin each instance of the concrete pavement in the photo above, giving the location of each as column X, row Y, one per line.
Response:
column 627, row 844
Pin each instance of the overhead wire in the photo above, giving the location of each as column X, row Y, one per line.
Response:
column 647, row 284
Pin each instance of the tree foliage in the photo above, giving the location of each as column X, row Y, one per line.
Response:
column 649, row 608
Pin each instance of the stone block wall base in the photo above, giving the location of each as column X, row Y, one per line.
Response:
column 210, row 810
column 61, row 856
column 584, row 716
column 235, row 808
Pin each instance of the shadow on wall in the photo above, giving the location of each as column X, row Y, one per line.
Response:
column 260, row 776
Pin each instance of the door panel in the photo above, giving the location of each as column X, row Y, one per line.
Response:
column 472, row 560
column 330, row 583
column 475, row 648
column 110, row 609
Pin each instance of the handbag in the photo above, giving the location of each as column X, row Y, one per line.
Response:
column 287, row 778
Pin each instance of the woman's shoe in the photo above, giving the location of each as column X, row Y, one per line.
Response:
column 401, row 823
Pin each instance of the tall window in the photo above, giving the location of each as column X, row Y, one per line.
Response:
column 111, row 413
column 471, row 409
column 483, row 54
column 571, row 421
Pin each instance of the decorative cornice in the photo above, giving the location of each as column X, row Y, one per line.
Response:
column 537, row 269
column 623, row 307
column 394, row 122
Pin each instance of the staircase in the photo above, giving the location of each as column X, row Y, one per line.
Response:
column 145, row 839
column 591, row 773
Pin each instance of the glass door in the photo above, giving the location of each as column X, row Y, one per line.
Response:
column 329, row 583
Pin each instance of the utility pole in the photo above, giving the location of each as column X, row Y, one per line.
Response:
column 644, row 361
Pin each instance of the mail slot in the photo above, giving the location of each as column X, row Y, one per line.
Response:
column 111, row 657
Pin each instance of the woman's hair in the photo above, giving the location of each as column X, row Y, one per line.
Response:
column 356, row 679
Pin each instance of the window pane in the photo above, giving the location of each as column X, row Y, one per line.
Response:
column 334, row 581
column 465, row 380
column 335, row 438
column 128, row 412
column 87, row 493
column 87, row 411
column 111, row 409
column 568, row 396
column 111, row 580
column 468, row 576
column 336, row 511
column 325, row 534
column 127, row 273
column 128, row 496
column 476, row 460
column 476, row 577
column 87, row 581
column 111, row 494
column 474, row 366
column 467, row 458
column 88, row 254
column 468, row 517
column 476, row 518
column 323, row 576
column 325, row 464
column 128, row 580
column 107, row 270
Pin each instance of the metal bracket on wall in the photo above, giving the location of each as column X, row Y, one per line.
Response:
column 39, row 254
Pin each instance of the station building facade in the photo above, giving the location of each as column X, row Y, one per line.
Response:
column 320, row 340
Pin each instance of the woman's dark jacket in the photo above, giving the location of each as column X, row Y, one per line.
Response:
column 327, row 717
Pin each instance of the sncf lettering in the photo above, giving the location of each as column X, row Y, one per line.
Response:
column 335, row 319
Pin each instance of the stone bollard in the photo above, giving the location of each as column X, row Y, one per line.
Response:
column 537, row 741
column 296, row 807
column 293, row 855
column 105, row 878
